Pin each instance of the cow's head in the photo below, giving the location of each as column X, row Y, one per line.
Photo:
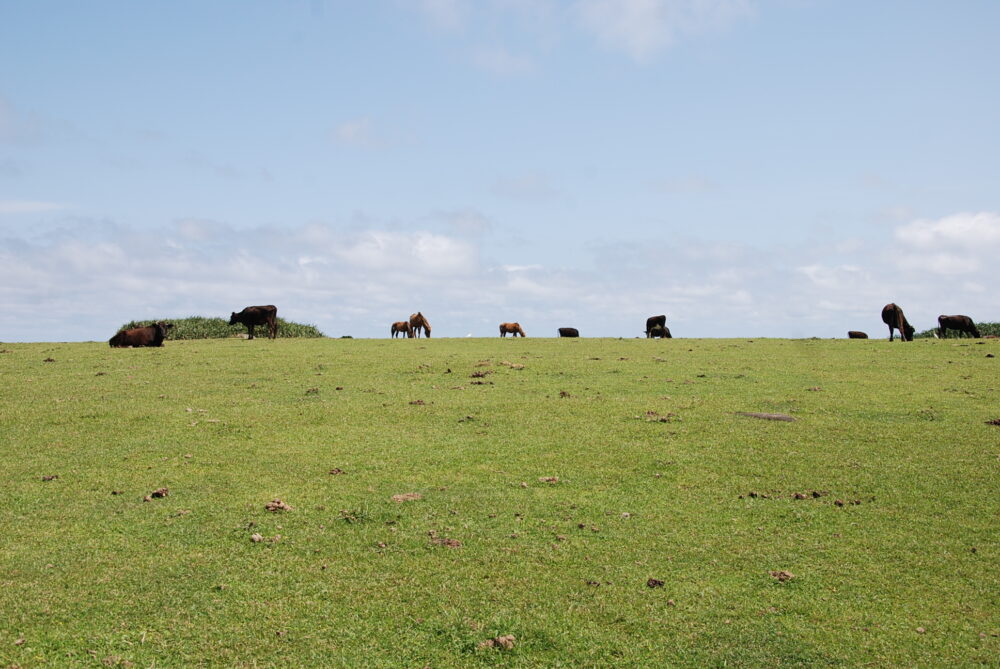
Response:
column 909, row 332
column 232, row 319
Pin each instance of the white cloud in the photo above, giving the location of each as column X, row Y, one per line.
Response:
column 28, row 206
column 499, row 60
column 959, row 231
column 643, row 28
column 445, row 14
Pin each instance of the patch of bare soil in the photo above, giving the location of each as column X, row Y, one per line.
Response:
column 995, row 421
column 51, row 477
column 654, row 583
column 549, row 479
column 656, row 417
column 156, row 494
column 766, row 416
column 276, row 505
column 407, row 497
column 782, row 576
column 443, row 541
column 481, row 374
column 418, row 403
column 336, row 471
column 505, row 642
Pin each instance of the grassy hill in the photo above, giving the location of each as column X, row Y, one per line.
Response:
column 200, row 327
column 603, row 501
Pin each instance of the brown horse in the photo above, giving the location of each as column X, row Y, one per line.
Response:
column 401, row 327
column 419, row 322
column 893, row 316
column 512, row 328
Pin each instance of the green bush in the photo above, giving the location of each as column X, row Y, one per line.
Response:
column 199, row 327
column 984, row 329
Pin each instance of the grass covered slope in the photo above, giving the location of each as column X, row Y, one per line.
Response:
column 655, row 473
column 201, row 327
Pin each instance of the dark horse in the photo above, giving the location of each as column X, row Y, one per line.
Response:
column 401, row 327
column 893, row 316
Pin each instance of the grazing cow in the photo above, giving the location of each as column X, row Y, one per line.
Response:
column 856, row 334
column 960, row 323
column 403, row 328
column 893, row 316
column 419, row 322
column 654, row 321
column 661, row 331
column 151, row 335
column 569, row 332
column 512, row 328
column 263, row 315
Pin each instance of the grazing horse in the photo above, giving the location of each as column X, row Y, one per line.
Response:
column 569, row 332
column 419, row 322
column 661, row 331
column 403, row 328
column 856, row 334
column 654, row 321
column 151, row 335
column 262, row 315
column 960, row 323
column 512, row 328
column 893, row 316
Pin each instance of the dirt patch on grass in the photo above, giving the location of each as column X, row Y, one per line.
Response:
column 782, row 576
column 407, row 497
column 766, row 416
column 995, row 421
column 156, row 494
column 505, row 642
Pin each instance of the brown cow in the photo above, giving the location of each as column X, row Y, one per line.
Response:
column 654, row 321
column 960, row 323
column 569, row 332
column 419, row 322
column 151, row 335
column 893, row 316
column 403, row 328
column 262, row 315
column 512, row 328
column 856, row 334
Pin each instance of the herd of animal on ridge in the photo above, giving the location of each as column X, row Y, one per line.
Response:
column 656, row 326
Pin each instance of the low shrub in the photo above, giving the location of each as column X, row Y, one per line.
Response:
column 200, row 327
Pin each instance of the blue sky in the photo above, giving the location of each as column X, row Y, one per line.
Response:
column 748, row 167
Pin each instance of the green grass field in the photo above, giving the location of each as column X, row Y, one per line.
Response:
column 894, row 563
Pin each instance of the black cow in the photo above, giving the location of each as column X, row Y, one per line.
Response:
column 262, row 315
column 893, row 316
column 654, row 321
column 856, row 334
column 960, row 323
column 151, row 335
column 569, row 332
column 661, row 331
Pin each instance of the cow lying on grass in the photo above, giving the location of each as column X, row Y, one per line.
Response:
column 151, row 335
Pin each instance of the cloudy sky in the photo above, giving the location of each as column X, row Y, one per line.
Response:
column 748, row 167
